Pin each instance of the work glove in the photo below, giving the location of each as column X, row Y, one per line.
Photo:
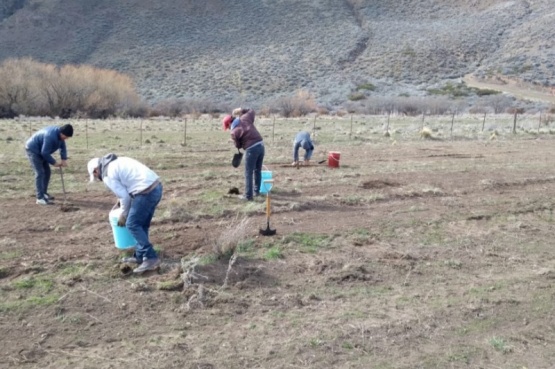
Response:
column 121, row 220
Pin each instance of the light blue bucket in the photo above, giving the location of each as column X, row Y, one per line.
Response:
column 122, row 236
column 266, row 187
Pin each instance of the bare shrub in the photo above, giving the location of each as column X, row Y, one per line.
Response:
column 169, row 108
column 437, row 105
column 409, row 106
column 224, row 246
column 299, row 105
column 499, row 103
column 478, row 109
column 17, row 90
column 322, row 110
column 33, row 88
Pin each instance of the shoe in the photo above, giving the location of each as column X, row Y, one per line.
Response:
column 130, row 260
column 256, row 194
column 48, row 197
column 147, row 264
column 42, row 202
column 244, row 198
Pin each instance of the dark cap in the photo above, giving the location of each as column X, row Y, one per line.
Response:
column 67, row 130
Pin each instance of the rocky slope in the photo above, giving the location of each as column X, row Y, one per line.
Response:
column 252, row 50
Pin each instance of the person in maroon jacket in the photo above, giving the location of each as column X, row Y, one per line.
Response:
column 246, row 137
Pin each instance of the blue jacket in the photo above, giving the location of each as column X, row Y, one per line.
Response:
column 46, row 142
column 302, row 139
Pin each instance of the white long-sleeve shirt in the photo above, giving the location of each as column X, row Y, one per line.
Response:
column 125, row 176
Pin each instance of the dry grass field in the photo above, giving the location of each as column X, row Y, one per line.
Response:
column 426, row 250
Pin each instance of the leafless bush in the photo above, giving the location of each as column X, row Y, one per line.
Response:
column 179, row 107
column 33, row 88
column 478, row 109
column 168, row 108
column 299, row 105
column 499, row 103
column 322, row 110
column 224, row 246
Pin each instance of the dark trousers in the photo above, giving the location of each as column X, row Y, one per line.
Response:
column 42, row 173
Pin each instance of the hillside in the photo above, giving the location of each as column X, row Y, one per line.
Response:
column 251, row 50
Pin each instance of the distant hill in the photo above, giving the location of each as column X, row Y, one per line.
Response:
column 252, row 50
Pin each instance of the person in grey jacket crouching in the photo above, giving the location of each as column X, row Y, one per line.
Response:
column 302, row 139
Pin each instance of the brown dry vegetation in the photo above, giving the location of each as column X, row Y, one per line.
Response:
column 38, row 89
column 413, row 254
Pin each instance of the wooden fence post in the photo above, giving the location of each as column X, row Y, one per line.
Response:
column 540, row 122
column 514, row 122
column 422, row 125
column 314, row 126
column 273, row 128
column 452, row 122
column 387, row 127
column 87, row 132
column 185, row 131
column 484, row 122
column 351, row 132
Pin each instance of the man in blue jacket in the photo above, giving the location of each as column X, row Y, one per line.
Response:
column 40, row 148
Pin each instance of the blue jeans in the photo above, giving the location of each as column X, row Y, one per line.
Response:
column 254, row 156
column 138, row 222
column 42, row 173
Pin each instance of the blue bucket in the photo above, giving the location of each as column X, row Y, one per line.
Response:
column 265, row 187
column 122, row 236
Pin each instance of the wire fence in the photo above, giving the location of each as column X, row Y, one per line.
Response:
column 205, row 132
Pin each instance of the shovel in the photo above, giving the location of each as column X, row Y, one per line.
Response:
column 63, row 207
column 268, row 231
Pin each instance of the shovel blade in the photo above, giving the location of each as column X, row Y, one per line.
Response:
column 268, row 232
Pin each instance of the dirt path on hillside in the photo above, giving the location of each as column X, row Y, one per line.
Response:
column 517, row 89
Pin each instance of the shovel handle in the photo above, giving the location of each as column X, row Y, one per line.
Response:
column 268, row 206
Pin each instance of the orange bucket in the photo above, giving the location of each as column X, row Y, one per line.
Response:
column 333, row 159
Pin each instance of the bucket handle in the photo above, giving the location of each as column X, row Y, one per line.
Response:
column 332, row 157
column 267, row 182
column 265, row 168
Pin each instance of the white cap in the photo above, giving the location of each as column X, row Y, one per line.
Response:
column 91, row 166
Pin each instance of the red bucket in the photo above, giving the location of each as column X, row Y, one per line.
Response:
column 333, row 159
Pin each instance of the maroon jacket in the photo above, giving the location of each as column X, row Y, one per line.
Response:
column 245, row 134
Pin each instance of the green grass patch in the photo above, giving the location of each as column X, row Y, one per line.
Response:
column 247, row 247
column 211, row 196
column 10, row 255
column 273, row 253
column 309, row 243
column 29, row 303
column 366, row 86
column 499, row 344
column 208, row 259
column 34, row 283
